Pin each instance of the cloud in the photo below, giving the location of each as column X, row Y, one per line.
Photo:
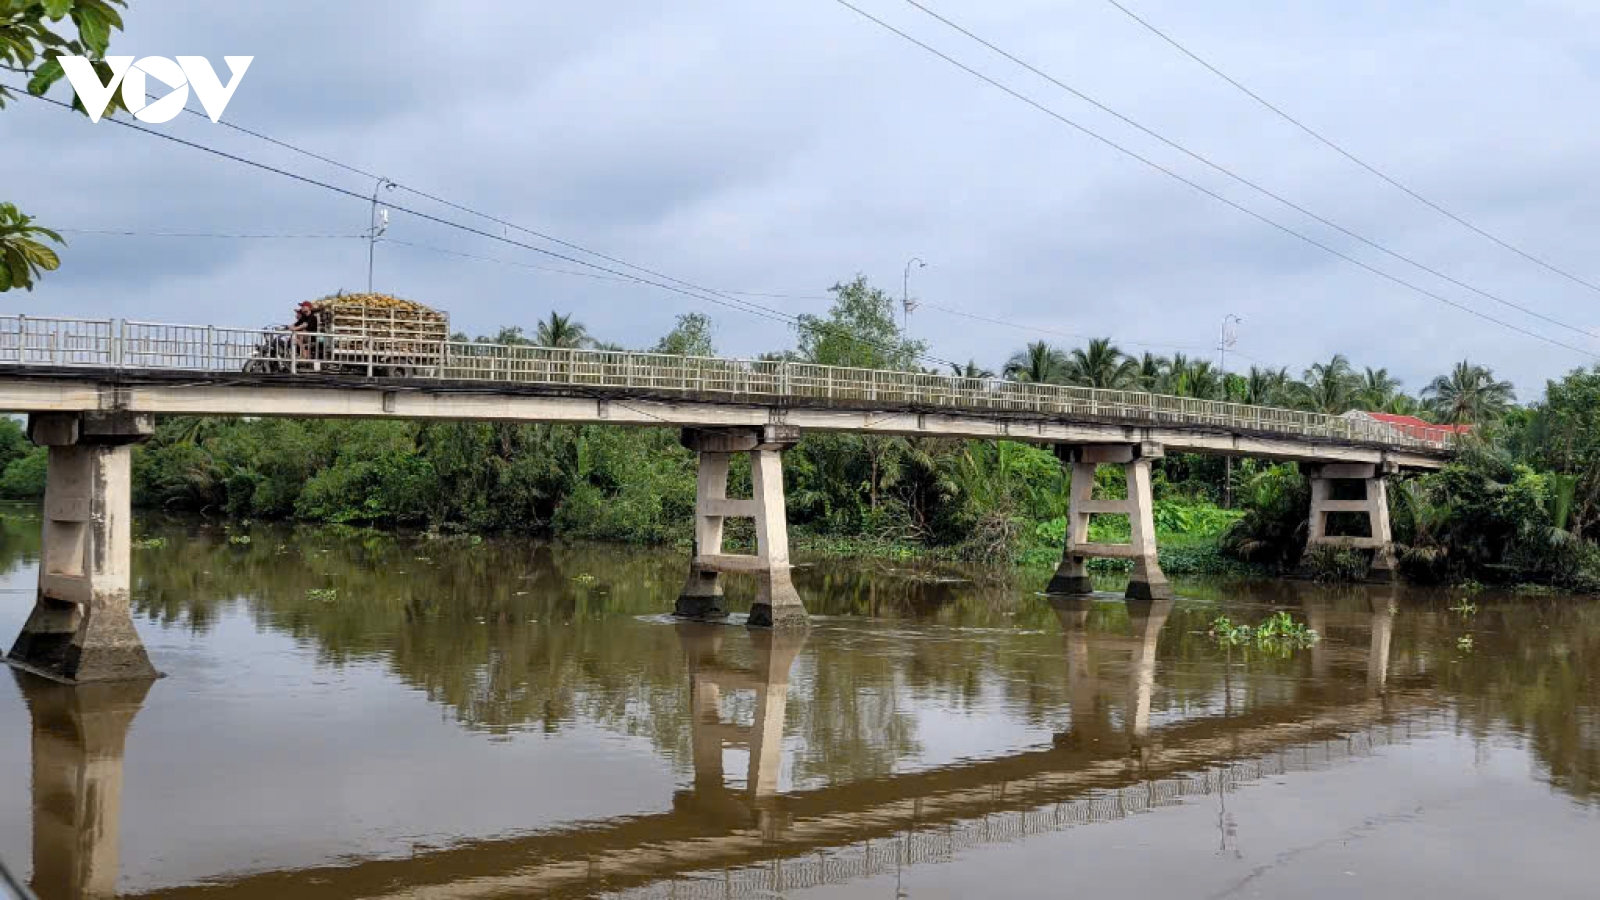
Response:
column 782, row 147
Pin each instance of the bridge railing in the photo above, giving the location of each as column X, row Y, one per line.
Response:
column 124, row 344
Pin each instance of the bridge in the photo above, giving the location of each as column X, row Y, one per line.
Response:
column 92, row 389
column 719, row 840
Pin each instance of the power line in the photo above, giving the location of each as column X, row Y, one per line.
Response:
column 1352, row 157
column 721, row 300
column 209, row 234
column 1251, row 184
column 1205, row 190
column 504, row 262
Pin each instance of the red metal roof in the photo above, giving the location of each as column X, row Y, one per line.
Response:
column 1417, row 427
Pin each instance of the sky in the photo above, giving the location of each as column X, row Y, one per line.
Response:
column 782, row 146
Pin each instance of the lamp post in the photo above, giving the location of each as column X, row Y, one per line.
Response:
column 1229, row 337
column 905, row 292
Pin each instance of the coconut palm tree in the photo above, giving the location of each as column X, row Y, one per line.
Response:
column 1469, row 394
column 1152, row 369
column 1376, row 389
column 1403, row 405
column 1330, row 386
column 22, row 257
column 561, row 331
column 1198, row 379
column 971, row 370
column 1038, row 363
column 1267, row 387
column 1101, row 365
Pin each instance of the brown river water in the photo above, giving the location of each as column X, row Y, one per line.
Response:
column 358, row 714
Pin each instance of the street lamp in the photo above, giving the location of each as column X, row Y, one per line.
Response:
column 905, row 292
column 1230, row 336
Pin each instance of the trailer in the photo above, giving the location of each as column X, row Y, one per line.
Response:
column 358, row 334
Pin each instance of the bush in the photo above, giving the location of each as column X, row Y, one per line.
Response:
column 1325, row 563
column 24, row 477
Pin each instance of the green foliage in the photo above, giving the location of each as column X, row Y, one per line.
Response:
column 32, row 38
column 151, row 543
column 1276, row 501
column 1278, row 633
column 860, row 331
column 1336, row 564
column 322, row 595
column 1469, row 394
column 22, row 257
column 691, row 336
column 24, row 476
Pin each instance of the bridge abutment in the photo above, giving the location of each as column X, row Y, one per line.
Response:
column 777, row 603
column 1146, row 582
column 81, row 628
column 1374, row 506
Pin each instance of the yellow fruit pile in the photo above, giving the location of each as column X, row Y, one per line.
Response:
column 371, row 301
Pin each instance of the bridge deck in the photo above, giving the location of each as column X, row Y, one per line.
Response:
column 73, row 365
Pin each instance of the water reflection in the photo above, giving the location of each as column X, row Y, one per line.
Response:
column 920, row 718
column 79, row 734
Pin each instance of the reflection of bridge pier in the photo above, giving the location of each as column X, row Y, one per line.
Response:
column 78, row 739
column 1146, row 619
column 1380, row 602
column 709, row 677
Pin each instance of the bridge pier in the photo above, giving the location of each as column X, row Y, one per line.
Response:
column 777, row 603
column 1374, row 505
column 81, row 629
column 1147, row 582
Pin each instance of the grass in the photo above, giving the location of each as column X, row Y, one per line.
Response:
column 323, row 595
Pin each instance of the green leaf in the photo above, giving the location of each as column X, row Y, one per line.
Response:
column 47, row 75
column 5, row 276
column 56, row 9
column 40, row 255
column 93, row 29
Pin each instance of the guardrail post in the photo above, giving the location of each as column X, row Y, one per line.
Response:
column 294, row 353
column 211, row 349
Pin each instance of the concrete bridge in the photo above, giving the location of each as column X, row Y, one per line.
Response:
column 93, row 388
column 722, row 840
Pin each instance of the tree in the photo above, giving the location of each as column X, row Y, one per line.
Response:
column 1267, row 387
column 1330, row 386
column 1377, row 389
column 971, row 370
column 22, row 257
column 31, row 42
column 1152, row 369
column 860, row 331
column 1469, row 394
column 560, row 331
column 691, row 336
column 1101, row 365
column 1038, row 363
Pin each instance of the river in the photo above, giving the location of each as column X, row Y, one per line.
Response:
column 350, row 713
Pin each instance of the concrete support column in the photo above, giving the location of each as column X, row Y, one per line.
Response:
column 79, row 733
column 777, row 603
column 1146, row 582
column 1374, row 505
column 81, row 628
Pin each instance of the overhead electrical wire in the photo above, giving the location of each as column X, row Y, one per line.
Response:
column 210, row 234
column 1339, row 149
column 1207, row 191
column 693, row 291
column 1251, row 184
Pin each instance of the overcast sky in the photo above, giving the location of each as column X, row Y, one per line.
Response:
column 782, row 145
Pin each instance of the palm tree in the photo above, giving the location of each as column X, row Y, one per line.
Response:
column 1469, row 394
column 561, row 331
column 22, row 257
column 1330, row 386
column 1403, row 405
column 1101, row 365
column 1038, row 363
column 1197, row 379
column 1376, row 389
column 1152, row 369
column 1267, row 387
column 971, row 370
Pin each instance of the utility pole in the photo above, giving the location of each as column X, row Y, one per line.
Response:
column 906, row 302
column 1230, row 336
column 377, row 224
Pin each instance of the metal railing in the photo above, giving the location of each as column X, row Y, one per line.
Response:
column 156, row 346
